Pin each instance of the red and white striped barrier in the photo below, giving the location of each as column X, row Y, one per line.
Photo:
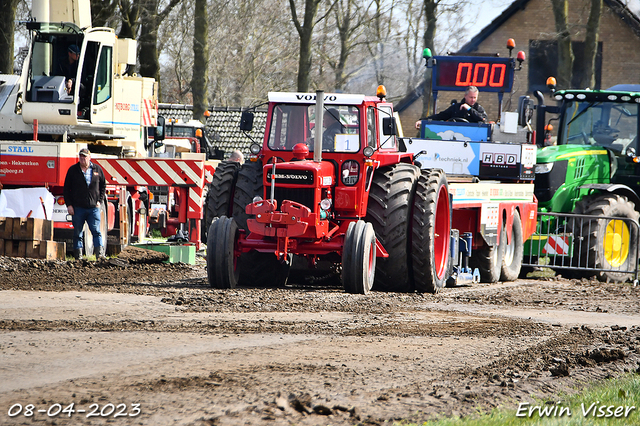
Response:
column 556, row 245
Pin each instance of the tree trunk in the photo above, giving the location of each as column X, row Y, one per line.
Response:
column 343, row 20
column 148, row 41
column 430, row 7
column 200, row 60
column 7, row 31
column 565, row 51
column 305, row 31
column 588, row 76
column 130, row 12
column 102, row 12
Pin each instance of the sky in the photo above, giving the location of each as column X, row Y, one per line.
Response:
column 487, row 11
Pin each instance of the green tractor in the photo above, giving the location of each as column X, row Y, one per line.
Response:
column 587, row 182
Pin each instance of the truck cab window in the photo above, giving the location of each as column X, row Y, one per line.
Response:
column 103, row 76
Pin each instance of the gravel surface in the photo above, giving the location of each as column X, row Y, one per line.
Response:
column 157, row 343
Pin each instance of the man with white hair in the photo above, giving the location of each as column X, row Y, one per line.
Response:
column 237, row 155
column 468, row 109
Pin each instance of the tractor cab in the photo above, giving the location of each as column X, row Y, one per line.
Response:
column 357, row 132
column 350, row 123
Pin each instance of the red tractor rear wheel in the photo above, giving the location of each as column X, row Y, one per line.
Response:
column 248, row 185
column 222, row 270
column 219, row 197
column 389, row 211
column 430, row 232
column 359, row 258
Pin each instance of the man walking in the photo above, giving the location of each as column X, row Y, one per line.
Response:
column 84, row 190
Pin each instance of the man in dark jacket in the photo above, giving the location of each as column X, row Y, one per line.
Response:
column 68, row 66
column 333, row 126
column 84, row 190
column 468, row 109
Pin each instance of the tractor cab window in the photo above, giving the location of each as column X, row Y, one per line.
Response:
column 295, row 123
column 611, row 125
column 371, row 127
column 386, row 141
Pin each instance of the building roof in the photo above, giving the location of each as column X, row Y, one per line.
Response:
column 222, row 126
column 617, row 6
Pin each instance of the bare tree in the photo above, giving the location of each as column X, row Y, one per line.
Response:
column 103, row 13
column 176, row 39
column 130, row 15
column 379, row 35
column 200, row 60
column 412, row 42
column 349, row 18
column 242, row 65
column 305, row 31
column 565, row 51
column 148, row 40
column 342, row 36
column 584, row 74
column 588, row 75
column 431, row 19
column 7, row 32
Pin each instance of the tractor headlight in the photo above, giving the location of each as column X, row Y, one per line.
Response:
column 325, row 204
column 543, row 168
column 254, row 148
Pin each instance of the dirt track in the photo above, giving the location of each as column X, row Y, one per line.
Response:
column 156, row 335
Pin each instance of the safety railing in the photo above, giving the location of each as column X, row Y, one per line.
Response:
column 590, row 245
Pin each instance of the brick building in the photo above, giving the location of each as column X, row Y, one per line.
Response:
column 531, row 24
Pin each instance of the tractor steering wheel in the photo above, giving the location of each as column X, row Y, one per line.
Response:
column 581, row 135
column 458, row 119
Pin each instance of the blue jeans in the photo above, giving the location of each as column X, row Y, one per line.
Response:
column 92, row 217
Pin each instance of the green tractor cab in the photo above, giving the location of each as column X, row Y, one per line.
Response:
column 590, row 169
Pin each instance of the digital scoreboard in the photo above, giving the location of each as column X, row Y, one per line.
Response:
column 456, row 73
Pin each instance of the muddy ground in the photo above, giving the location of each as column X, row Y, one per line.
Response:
column 134, row 341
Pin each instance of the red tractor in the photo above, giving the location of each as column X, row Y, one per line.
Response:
column 344, row 199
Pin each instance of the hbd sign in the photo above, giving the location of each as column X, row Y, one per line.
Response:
column 499, row 159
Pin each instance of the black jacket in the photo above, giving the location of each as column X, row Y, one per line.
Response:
column 475, row 114
column 76, row 192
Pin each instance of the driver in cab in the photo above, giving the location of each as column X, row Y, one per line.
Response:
column 468, row 109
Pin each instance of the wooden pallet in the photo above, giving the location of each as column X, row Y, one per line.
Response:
column 29, row 237
column 35, row 249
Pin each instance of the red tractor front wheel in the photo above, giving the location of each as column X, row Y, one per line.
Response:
column 222, row 263
column 359, row 258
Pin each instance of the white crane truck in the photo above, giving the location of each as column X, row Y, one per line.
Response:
column 52, row 110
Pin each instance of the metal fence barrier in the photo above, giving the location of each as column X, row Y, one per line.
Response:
column 606, row 246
